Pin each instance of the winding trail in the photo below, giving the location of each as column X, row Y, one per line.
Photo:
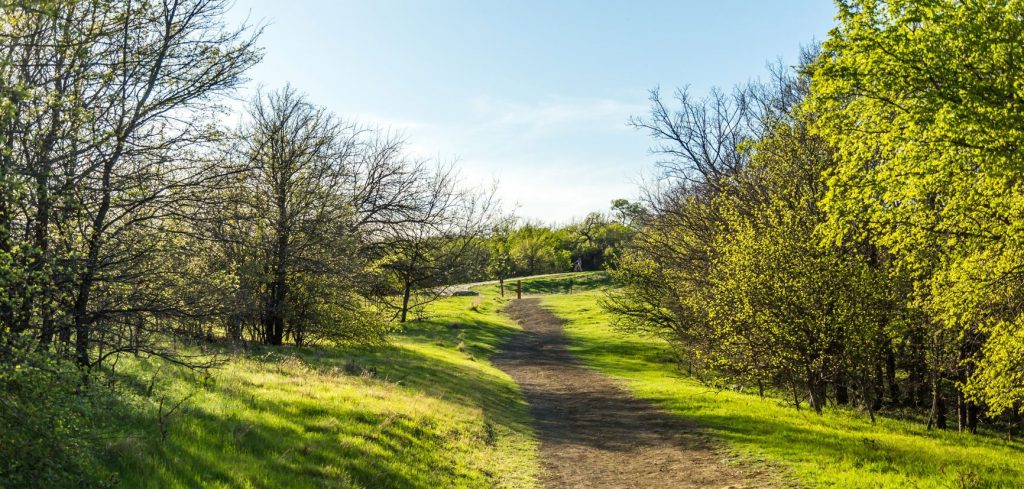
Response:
column 593, row 433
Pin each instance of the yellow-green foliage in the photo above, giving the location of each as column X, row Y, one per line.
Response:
column 922, row 103
column 416, row 413
column 838, row 449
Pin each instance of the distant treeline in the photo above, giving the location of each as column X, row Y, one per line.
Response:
column 518, row 249
column 850, row 231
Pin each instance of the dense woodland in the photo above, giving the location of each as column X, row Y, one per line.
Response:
column 846, row 232
column 849, row 231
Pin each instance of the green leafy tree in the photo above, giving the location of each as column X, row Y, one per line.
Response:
column 534, row 250
column 922, row 101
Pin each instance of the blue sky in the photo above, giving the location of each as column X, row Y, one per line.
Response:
column 534, row 94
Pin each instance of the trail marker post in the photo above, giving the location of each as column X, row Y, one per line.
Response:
column 519, row 289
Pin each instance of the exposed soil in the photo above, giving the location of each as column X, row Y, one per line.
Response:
column 593, row 433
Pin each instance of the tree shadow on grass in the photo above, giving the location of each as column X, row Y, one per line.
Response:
column 840, row 448
column 259, row 423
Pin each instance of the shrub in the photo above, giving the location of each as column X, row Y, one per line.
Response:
column 45, row 407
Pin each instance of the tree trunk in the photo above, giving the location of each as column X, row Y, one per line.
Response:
column 816, row 391
column 842, row 390
column 273, row 320
column 279, row 305
column 938, row 414
column 919, row 389
column 972, row 417
column 234, row 329
column 81, row 337
column 1014, row 420
column 962, row 411
column 878, row 386
column 42, row 243
column 406, row 294
column 274, row 316
column 83, row 323
column 890, row 374
column 43, row 210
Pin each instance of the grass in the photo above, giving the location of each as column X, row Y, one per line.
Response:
column 427, row 410
column 838, row 449
column 561, row 283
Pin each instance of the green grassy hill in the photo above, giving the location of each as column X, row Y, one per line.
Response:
column 429, row 410
column 838, row 449
column 426, row 411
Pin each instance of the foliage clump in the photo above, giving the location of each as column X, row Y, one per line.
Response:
column 849, row 231
column 48, row 431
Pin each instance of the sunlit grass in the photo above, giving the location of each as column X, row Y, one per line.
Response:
column 838, row 449
column 428, row 410
column 560, row 283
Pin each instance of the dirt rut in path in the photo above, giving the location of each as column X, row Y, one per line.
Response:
column 593, row 433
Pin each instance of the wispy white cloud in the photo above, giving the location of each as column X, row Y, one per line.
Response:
column 558, row 158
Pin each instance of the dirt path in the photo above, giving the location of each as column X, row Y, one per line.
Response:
column 595, row 434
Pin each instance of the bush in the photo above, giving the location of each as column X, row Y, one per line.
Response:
column 45, row 435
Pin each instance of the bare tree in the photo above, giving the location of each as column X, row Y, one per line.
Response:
column 434, row 236
column 298, row 226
